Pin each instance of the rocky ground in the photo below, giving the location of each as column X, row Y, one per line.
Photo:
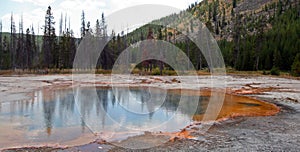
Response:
column 272, row 133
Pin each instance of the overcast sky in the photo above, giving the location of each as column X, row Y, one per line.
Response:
column 34, row 10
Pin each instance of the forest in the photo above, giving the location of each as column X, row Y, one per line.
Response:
column 264, row 40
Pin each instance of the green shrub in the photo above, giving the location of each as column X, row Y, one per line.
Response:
column 275, row 71
column 169, row 72
column 264, row 72
column 136, row 71
column 296, row 66
column 155, row 71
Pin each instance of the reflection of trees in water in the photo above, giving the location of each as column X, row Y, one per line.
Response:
column 58, row 107
column 202, row 105
column 66, row 104
column 49, row 110
column 102, row 104
column 189, row 102
column 61, row 99
column 153, row 99
column 19, row 107
column 121, row 95
column 85, row 103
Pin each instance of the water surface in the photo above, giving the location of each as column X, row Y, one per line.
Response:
column 68, row 116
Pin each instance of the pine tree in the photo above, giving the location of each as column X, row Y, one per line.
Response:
column 258, row 44
column 192, row 26
column 29, row 49
column 237, row 38
column 277, row 59
column 35, row 47
column 61, row 25
column 279, row 8
column 187, row 41
column 82, row 25
column 49, row 41
column 6, row 60
column 223, row 17
column 66, row 23
column 12, row 42
column 98, row 29
column 73, row 48
column 21, row 55
column 234, row 3
column 209, row 12
column 161, row 64
column 296, row 66
column 103, row 26
column 215, row 11
column 1, row 48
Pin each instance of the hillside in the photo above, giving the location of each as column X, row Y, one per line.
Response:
column 252, row 35
column 222, row 16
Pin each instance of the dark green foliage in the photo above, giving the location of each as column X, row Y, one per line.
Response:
column 276, row 47
column 83, row 28
column 67, row 49
column 264, row 72
column 234, row 3
column 275, row 71
column 253, row 45
column 279, row 8
column 50, row 47
column 5, row 61
column 28, row 50
column 296, row 66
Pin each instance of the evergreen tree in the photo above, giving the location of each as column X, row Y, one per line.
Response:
column 279, row 8
column 215, row 11
column 12, row 42
column 29, row 49
column 21, row 55
column 236, row 40
column 277, row 59
column 161, row 64
column 103, row 26
column 61, row 25
column 6, row 59
column 296, row 66
column 49, row 42
column 223, row 17
column 1, row 48
column 98, row 29
column 73, row 47
column 35, row 50
column 192, row 26
column 234, row 3
column 82, row 25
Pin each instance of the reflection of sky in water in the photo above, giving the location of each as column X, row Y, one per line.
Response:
column 49, row 111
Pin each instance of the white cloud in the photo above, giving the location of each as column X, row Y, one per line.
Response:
column 92, row 8
column 180, row 4
column 36, row 2
column 79, row 4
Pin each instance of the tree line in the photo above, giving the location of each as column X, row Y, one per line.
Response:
column 30, row 51
column 19, row 50
column 273, row 47
column 265, row 41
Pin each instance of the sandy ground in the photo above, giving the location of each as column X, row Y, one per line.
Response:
column 272, row 133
